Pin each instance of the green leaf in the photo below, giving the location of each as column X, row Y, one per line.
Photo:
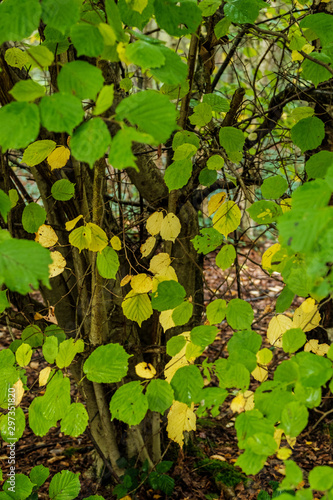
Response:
column 202, row 114
column 39, row 475
column 37, row 422
column 75, row 421
column 27, row 90
column 225, row 257
column 321, row 24
column 294, row 418
column 262, row 444
column 216, row 102
column 145, row 110
column 209, row 7
column 274, row 187
column 239, row 314
column 87, row 40
column 7, row 358
column 185, row 137
column 245, row 339
column 8, row 377
column 108, row 263
column 132, row 17
column 270, row 400
column 314, row 371
column 24, row 263
column 146, row 55
column 114, row 19
column 40, row 57
column 98, row 367
column 104, row 100
column 18, row 19
column 16, row 57
column 160, row 395
column 316, row 73
column 176, row 91
column 207, row 177
column 175, row 344
column 128, row 404
column 309, row 396
column 216, row 311
column 321, row 478
column 23, row 354
column 64, row 486
column 184, row 152
column 231, row 139
column 308, row 133
column 67, row 352
column 247, row 425
column 207, row 241
column 178, row 174
column 293, row 340
column 243, row 11
column 10, row 433
column 80, row 79
column 284, row 300
column 37, row 152
column 264, row 212
column 172, row 72
column 215, row 162
column 50, row 349
column 177, row 19
column 23, row 117
column 237, row 376
column 55, row 41
column 3, row 301
column 52, row 112
column 90, row 141
column 187, row 383
column 33, row 217
column 137, row 307
column 318, row 164
column 251, row 463
column 222, row 27
column 80, row 237
column 60, row 14
column 55, row 331
column 227, row 218
column 169, row 294
column 203, row 335
column 22, row 489
column 182, row 313
column 243, row 357
column 5, row 204
column 57, row 398
column 211, row 397
column 63, row 190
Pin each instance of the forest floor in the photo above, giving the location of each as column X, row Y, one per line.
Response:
column 195, row 476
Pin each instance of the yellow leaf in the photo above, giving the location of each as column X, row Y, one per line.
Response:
column 72, row 223
column 141, row 283
column 276, row 328
column 166, row 319
column 145, row 370
column 286, row 205
column 137, row 307
column 160, row 263
column 168, row 275
column 59, row 157
column 170, row 227
column 227, row 218
column 314, row 346
column 58, row 264
column 99, row 240
column 291, row 441
column 266, row 260
column 46, row 236
column 44, row 376
column 278, row 436
column 121, row 49
column 215, row 202
column 179, row 360
column 260, row 373
column 180, row 418
column 147, row 247
column 126, row 280
column 306, row 316
column 242, row 402
column 115, row 243
column 154, row 223
column 127, row 497
column 80, row 237
column 264, row 356
column 19, row 391
column 283, row 453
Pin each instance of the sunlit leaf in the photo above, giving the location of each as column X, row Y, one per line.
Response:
column 181, row 418
column 145, row 370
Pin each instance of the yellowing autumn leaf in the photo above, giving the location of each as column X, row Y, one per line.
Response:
column 154, row 223
column 126, row 280
column 314, row 346
column 260, row 373
column 145, row 370
column 227, row 218
column 46, row 236
column 141, row 283
column 58, row 264
column 166, row 319
column 179, row 360
column 98, row 240
column 278, row 436
column 170, row 227
column 286, row 205
column 160, row 263
column 115, row 243
column 19, row 391
column 168, row 275
column 264, row 356
column 180, row 418
column 137, row 307
column 284, row 453
column 59, row 157
column 80, row 237
column 242, row 402
column 72, row 223
column 266, row 261
column 276, row 328
column 215, row 202
column 147, row 247
column 306, row 316
column 44, row 376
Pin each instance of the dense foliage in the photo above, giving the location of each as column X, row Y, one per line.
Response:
column 135, row 138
